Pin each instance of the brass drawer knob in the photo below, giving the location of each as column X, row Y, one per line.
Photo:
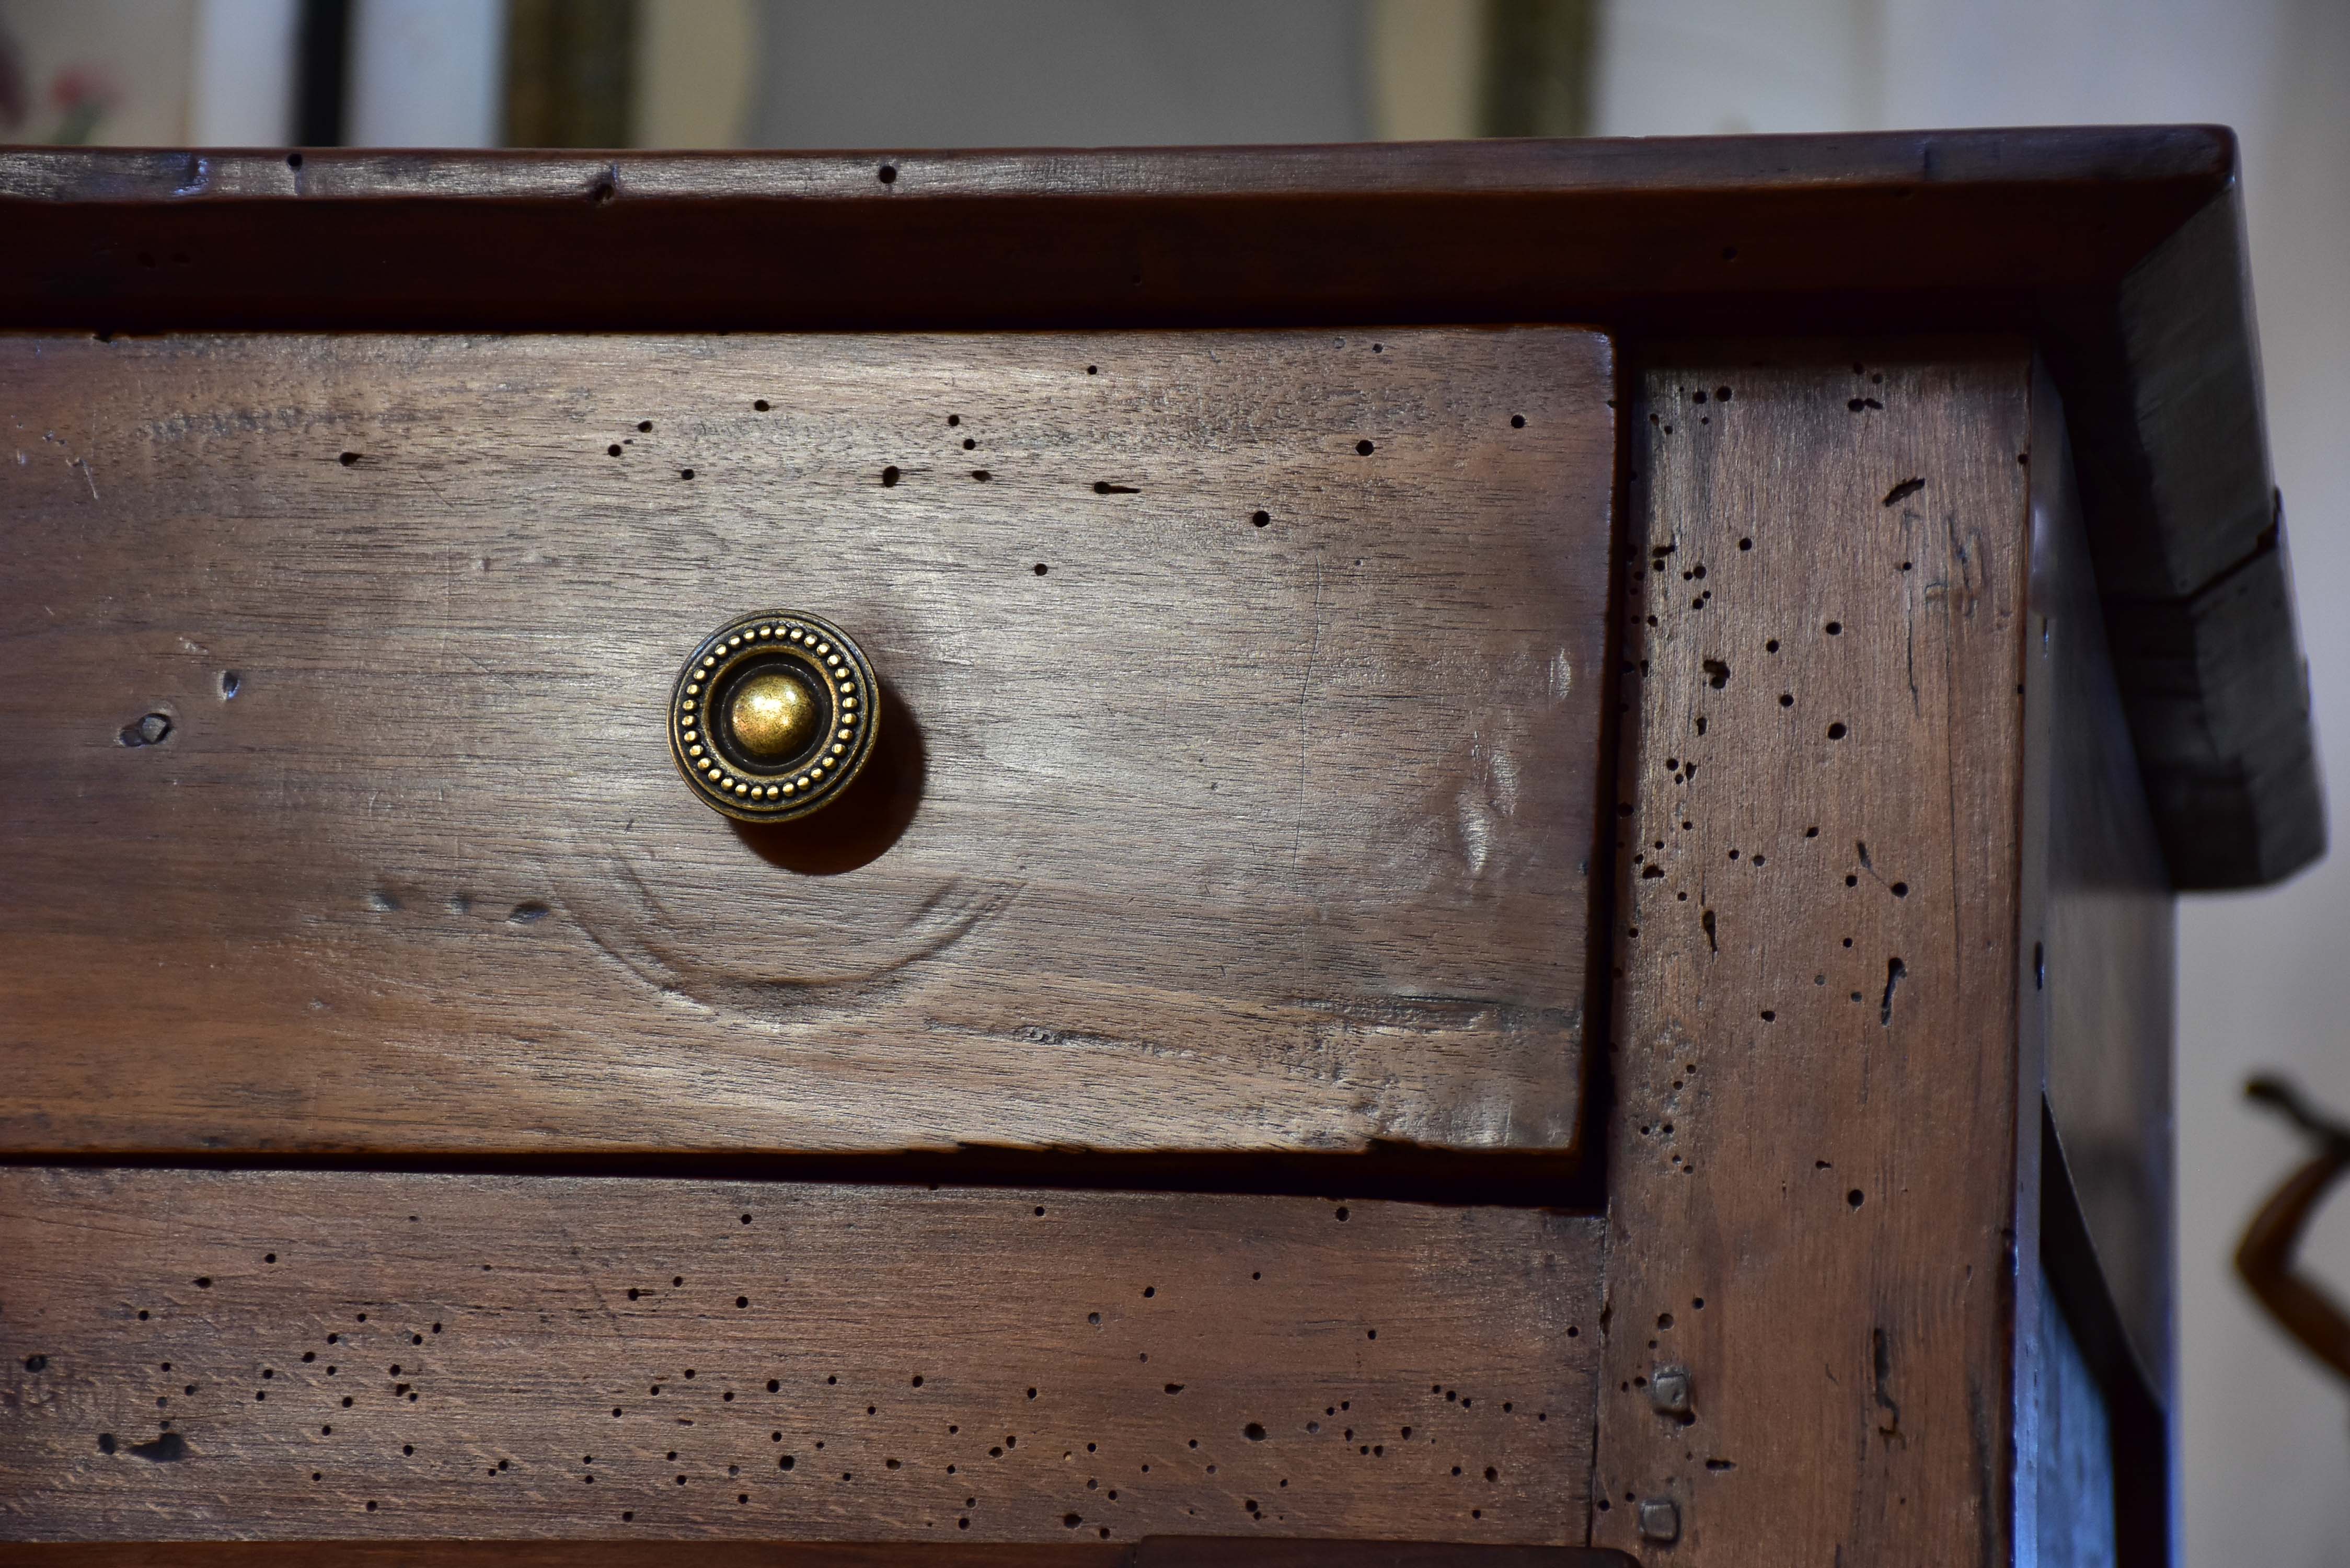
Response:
column 774, row 715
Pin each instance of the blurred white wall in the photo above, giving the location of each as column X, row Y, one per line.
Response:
column 1060, row 73
column 426, row 73
column 2263, row 978
column 242, row 94
column 1724, row 67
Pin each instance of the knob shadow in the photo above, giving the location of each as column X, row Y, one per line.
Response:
column 872, row 813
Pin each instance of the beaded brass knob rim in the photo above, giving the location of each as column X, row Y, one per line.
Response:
column 772, row 716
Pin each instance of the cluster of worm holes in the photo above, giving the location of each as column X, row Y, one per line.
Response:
column 1683, row 1415
column 1670, row 593
column 352, row 1409
column 964, row 444
column 152, row 729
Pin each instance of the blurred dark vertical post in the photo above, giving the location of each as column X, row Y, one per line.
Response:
column 1538, row 67
column 322, row 73
column 569, row 72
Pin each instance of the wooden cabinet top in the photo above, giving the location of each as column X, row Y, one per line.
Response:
column 2119, row 252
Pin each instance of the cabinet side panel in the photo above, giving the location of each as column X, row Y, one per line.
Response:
column 1813, row 1162
column 2103, row 925
column 2096, row 958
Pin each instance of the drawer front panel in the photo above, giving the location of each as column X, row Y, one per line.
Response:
column 324, row 1356
column 1236, row 784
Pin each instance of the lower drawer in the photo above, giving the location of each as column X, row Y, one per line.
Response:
column 196, row 1353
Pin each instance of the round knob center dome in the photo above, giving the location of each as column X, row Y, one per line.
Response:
column 772, row 716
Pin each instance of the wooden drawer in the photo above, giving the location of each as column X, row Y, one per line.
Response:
column 335, row 1354
column 1236, row 790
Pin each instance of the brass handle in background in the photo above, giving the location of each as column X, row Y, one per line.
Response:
column 772, row 716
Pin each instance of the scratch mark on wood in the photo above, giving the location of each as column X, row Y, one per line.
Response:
column 1305, row 710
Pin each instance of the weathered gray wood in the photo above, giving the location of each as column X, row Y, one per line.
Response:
column 2141, row 1425
column 325, row 1355
column 2072, row 1455
column 1237, row 786
column 2188, row 538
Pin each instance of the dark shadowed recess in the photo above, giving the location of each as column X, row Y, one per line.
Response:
column 1384, row 1170
column 2141, row 1428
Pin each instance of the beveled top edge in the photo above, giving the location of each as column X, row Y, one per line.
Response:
column 2108, row 156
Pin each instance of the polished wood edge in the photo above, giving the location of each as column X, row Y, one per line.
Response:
column 1155, row 1552
column 1840, row 160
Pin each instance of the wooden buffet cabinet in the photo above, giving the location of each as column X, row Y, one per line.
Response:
column 1508, row 899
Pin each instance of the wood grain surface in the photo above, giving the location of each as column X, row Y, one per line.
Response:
column 707, row 1553
column 1238, row 762
column 1814, row 1170
column 327, row 1355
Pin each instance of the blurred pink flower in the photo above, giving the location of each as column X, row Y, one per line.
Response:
column 83, row 88
column 81, row 95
